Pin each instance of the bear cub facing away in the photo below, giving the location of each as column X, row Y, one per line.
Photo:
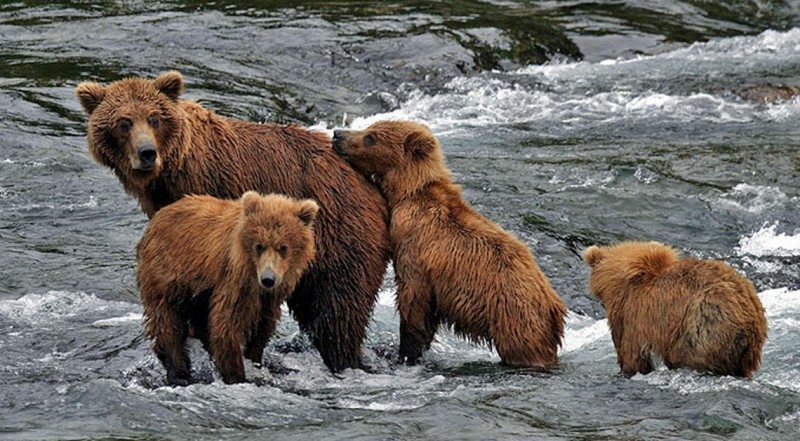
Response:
column 453, row 265
column 221, row 268
column 692, row 313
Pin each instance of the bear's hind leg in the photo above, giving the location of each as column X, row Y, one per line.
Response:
column 169, row 330
column 634, row 357
column 527, row 335
column 333, row 306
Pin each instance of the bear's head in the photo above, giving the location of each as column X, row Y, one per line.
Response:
column 618, row 267
column 276, row 236
column 404, row 150
column 131, row 124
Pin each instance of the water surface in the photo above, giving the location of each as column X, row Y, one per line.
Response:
column 568, row 123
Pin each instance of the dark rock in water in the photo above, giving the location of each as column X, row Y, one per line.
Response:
column 767, row 93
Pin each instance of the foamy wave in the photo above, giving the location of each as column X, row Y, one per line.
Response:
column 26, row 164
column 582, row 331
column 116, row 321
column 771, row 44
column 753, row 198
column 607, row 92
column 56, row 305
column 476, row 102
column 768, row 242
column 780, row 301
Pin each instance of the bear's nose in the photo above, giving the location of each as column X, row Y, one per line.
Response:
column 339, row 135
column 267, row 279
column 147, row 154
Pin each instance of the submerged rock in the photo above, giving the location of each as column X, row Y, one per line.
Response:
column 767, row 93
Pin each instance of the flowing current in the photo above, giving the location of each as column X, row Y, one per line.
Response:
column 615, row 130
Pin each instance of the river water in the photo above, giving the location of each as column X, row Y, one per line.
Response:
column 569, row 123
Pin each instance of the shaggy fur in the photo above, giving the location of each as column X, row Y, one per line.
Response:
column 691, row 313
column 203, row 246
column 162, row 148
column 453, row 265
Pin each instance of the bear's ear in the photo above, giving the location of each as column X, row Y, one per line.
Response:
column 250, row 202
column 655, row 259
column 593, row 255
column 419, row 144
column 90, row 95
column 170, row 84
column 307, row 211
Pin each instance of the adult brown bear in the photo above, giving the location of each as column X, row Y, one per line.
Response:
column 163, row 148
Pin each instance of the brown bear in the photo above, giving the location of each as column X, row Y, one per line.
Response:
column 453, row 266
column 248, row 254
column 690, row 313
column 163, row 148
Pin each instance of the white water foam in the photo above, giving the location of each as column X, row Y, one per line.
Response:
column 26, row 164
column 769, row 44
column 607, row 92
column 116, row 321
column 582, row 331
column 52, row 306
column 768, row 242
column 753, row 198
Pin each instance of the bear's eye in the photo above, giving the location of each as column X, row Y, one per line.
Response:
column 370, row 140
column 259, row 248
column 153, row 122
column 282, row 250
column 125, row 125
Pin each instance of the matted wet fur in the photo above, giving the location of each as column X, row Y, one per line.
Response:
column 162, row 148
column 692, row 313
column 246, row 255
column 453, row 265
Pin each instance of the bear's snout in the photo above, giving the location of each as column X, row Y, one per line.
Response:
column 147, row 156
column 339, row 138
column 268, row 279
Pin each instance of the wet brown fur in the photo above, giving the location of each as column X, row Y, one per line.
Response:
column 203, row 244
column 453, row 265
column 692, row 313
column 199, row 152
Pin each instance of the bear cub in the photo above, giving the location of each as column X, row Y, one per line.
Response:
column 692, row 313
column 453, row 265
column 221, row 268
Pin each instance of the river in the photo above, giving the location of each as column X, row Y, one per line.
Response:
column 569, row 123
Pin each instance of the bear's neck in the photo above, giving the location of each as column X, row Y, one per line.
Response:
column 401, row 184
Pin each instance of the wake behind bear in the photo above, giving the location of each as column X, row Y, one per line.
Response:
column 246, row 255
column 163, row 148
column 453, row 265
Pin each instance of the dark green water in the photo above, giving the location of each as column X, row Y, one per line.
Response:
column 568, row 122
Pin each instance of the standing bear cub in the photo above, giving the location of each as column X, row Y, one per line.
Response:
column 453, row 265
column 690, row 313
column 163, row 148
column 223, row 267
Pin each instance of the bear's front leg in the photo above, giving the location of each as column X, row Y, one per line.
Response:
column 227, row 323
column 268, row 321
